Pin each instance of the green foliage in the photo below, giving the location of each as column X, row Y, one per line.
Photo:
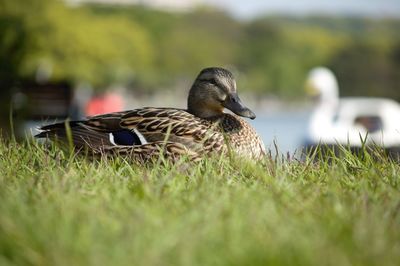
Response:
column 59, row 209
column 76, row 45
column 100, row 52
column 378, row 69
column 196, row 43
column 278, row 56
column 147, row 49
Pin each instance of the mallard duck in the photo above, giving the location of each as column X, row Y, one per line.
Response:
column 146, row 133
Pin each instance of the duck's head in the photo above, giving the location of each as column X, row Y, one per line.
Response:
column 321, row 83
column 213, row 90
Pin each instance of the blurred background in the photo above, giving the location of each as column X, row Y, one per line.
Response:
column 74, row 58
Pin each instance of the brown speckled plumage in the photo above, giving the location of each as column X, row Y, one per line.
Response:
column 174, row 132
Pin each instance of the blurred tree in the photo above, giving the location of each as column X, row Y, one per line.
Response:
column 183, row 43
column 72, row 43
column 277, row 57
column 82, row 47
column 367, row 69
column 15, row 43
column 46, row 41
column 150, row 49
column 203, row 39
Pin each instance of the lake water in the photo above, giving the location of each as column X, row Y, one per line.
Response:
column 287, row 129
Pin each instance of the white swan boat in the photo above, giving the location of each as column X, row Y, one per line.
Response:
column 350, row 121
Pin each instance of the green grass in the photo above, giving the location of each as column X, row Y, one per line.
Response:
column 57, row 209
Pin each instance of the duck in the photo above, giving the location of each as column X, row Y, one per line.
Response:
column 350, row 121
column 147, row 133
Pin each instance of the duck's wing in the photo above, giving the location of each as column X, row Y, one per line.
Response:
column 174, row 125
column 140, row 127
column 94, row 132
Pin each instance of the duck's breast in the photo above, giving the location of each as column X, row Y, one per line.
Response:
column 242, row 137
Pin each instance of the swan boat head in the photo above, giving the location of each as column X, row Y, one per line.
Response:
column 322, row 83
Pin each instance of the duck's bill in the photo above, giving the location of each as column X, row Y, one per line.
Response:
column 234, row 104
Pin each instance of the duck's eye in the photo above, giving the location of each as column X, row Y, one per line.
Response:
column 213, row 82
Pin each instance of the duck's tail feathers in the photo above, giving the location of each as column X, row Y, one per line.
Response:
column 76, row 131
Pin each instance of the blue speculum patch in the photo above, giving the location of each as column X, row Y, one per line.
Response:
column 126, row 138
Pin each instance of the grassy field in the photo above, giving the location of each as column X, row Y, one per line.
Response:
column 57, row 209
